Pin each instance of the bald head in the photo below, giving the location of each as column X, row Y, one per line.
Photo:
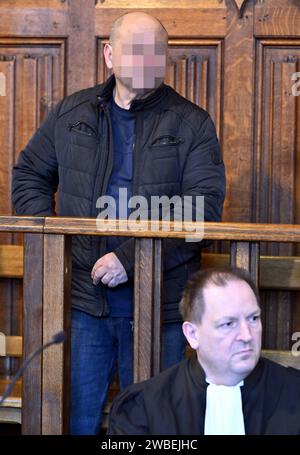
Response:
column 136, row 22
column 137, row 52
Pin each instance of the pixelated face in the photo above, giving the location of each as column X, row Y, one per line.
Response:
column 229, row 336
column 139, row 61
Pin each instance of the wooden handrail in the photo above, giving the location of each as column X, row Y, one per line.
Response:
column 248, row 232
column 21, row 224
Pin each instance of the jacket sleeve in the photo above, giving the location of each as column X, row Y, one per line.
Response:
column 35, row 176
column 203, row 175
column 127, row 415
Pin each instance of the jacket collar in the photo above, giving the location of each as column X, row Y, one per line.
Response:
column 253, row 379
column 154, row 98
column 250, row 382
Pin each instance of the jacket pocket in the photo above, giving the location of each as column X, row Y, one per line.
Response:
column 166, row 141
column 161, row 164
column 82, row 134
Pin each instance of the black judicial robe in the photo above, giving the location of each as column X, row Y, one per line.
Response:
column 173, row 403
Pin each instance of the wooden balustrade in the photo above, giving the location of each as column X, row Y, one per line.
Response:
column 46, row 274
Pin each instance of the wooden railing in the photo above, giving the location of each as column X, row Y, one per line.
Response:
column 47, row 302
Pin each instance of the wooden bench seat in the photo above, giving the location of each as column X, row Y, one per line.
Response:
column 10, row 411
column 275, row 272
column 285, row 358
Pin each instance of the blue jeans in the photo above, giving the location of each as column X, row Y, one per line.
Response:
column 99, row 346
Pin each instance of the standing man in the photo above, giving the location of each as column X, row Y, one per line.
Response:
column 136, row 134
column 227, row 388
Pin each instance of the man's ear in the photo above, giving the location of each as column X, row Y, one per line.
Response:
column 107, row 51
column 191, row 334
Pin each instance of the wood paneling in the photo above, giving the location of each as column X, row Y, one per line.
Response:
column 81, row 45
column 204, row 17
column 213, row 230
column 11, row 261
column 277, row 18
column 33, row 17
column 7, row 115
column 10, row 345
column 238, row 116
column 56, row 318
column 47, row 400
column 282, row 273
column 34, row 72
column 276, row 272
column 276, row 114
column 147, row 308
column 285, row 358
column 246, row 256
column 240, row 5
column 195, row 70
column 143, row 4
column 23, row 106
column 39, row 83
column 237, row 66
column 274, row 173
column 32, row 333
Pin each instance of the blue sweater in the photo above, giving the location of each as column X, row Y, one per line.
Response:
column 120, row 299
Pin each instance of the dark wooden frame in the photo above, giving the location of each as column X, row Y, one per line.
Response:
column 47, row 269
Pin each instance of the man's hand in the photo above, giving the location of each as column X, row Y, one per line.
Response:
column 109, row 270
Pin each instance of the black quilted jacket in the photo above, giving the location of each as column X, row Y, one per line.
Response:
column 176, row 153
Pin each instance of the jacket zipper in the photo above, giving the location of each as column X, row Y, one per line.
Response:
column 102, row 177
column 135, row 161
column 108, row 165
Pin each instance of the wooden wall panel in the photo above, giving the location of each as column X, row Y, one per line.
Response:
column 276, row 153
column 277, row 18
column 34, row 71
column 7, row 114
column 195, row 71
column 38, row 84
column 180, row 17
column 238, row 116
column 33, row 17
column 81, row 45
column 277, row 115
column 56, row 318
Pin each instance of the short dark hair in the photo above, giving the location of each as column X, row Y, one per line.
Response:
column 192, row 305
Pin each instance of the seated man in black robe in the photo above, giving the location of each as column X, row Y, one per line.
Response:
column 227, row 388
